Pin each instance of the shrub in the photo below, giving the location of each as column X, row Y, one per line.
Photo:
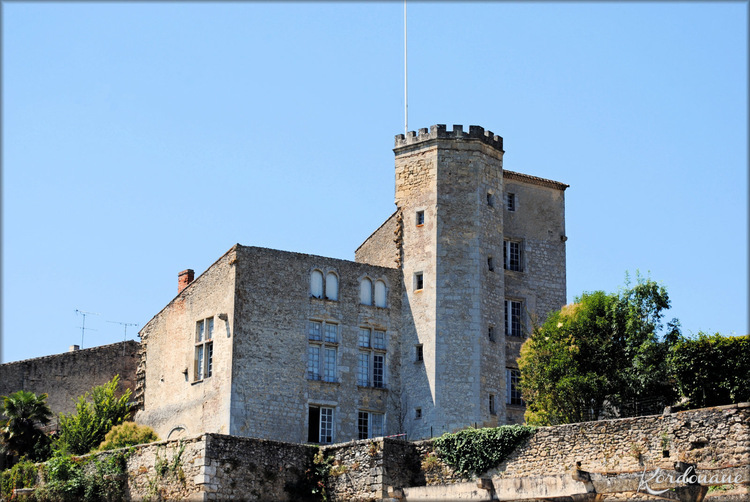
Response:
column 128, row 434
column 474, row 451
column 86, row 428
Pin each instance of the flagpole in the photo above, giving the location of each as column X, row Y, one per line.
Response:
column 406, row 81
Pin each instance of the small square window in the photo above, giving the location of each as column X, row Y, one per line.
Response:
column 490, row 199
column 420, row 218
column 420, row 353
column 418, row 281
column 511, row 202
column 417, row 413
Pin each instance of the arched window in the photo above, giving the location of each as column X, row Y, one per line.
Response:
column 332, row 286
column 365, row 292
column 316, row 284
column 380, row 299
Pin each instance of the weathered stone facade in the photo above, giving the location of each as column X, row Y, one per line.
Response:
column 286, row 360
column 65, row 377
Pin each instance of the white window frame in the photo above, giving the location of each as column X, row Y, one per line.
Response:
column 326, row 423
column 204, row 349
column 322, row 340
column 513, row 318
column 372, row 344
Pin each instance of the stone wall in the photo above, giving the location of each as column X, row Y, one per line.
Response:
column 176, row 402
column 65, row 377
column 272, row 393
column 381, row 248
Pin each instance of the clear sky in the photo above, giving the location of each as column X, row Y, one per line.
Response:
column 142, row 139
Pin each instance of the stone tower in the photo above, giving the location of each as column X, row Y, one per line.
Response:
column 449, row 192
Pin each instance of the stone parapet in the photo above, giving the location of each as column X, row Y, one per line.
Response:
column 439, row 131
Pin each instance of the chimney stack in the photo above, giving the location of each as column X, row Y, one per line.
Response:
column 184, row 278
column 73, row 348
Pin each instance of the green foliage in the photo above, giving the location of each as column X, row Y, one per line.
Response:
column 21, row 433
column 474, row 451
column 600, row 351
column 21, row 475
column 90, row 480
column 311, row 485
column 86, row 428
column 127, row 434
column 712, row 370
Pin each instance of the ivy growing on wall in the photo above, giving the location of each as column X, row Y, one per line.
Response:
column 474, row 451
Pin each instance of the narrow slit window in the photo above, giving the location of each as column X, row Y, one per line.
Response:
column 420, row 218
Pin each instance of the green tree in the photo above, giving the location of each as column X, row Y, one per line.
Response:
column 85, row 429
column 712, row 370
column 597, row 355
column 21, row 430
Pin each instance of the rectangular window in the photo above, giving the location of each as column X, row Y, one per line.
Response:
column 322, row 351
column 418, row 281
column 490, row 199
column 313, row 362
column 512, row 318
column 332, row 333
column 204, row 349
column 420, row 353
column 511, row 202
column 491, row 333
column 363, row 369
column 378, row 339
column 364, row 337
column 369, row 425
column 329, row 374
column 371, row 358
column 513, row 383
column 490, row 264
column 512, row 256
column 417, row 413
column 363, row 425
column 492, row 405
column 314, row 330
column 378, row 370
column 320, row 425
column 420, row 218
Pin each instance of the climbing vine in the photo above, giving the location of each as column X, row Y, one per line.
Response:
column 474, row 451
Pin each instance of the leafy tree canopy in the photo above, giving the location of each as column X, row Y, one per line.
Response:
column 598, row 353
column 711, row 370
column 85, row 429
column 21, row 431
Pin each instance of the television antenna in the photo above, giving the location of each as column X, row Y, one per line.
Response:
column 83, row 322
column 126, row 324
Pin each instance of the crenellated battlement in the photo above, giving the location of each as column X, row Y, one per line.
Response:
column 439, row 131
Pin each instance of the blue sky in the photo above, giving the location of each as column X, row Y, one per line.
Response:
column 143, row 139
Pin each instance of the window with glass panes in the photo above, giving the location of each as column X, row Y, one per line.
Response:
column 204, row 349
column 513, row 383
column 512, row 318
column 512, row 256
column 322, row 351
column 371, row 358
column 369, row 425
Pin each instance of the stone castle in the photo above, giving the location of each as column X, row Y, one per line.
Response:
column 419, row 335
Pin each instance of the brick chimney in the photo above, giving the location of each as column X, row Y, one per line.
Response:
column 184, row 278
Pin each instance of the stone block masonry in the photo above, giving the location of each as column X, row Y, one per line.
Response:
column 65, row 377
column 607, row 456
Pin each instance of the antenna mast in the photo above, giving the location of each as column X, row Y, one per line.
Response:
column 406, row 81
column 83, row 323
column 126, row 324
